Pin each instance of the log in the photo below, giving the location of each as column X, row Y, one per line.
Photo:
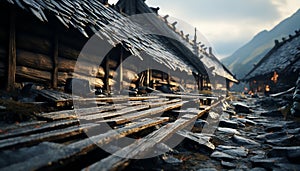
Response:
column 34, row 43
column 45, row 76
column 44, row 62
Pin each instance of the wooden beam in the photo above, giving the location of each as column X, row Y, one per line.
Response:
column 55, row 62
column 12, row 53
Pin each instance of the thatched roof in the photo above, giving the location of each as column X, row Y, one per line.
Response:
column 283, row 57
column 92, row 17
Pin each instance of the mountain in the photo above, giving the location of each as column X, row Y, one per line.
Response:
column 242, row 61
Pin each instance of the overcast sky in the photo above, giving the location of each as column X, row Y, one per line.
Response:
column 227, row 24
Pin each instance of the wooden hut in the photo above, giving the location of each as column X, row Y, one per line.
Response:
column 41, row 41
column 215, row 70
column 279, row 68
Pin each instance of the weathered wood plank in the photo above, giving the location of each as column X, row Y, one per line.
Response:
column 101, row 116
column 84, row 146
column 45, row 136
column 38, row 128
column 141, row 147
column 141, row 114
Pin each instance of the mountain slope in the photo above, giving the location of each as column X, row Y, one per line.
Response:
column 242, row 61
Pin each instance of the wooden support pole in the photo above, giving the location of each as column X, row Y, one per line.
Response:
column 12, row 53
column 148, row 77
column 106, row 76
column 55, row 62
column 121, row 68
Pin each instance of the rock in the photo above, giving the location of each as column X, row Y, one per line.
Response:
column 2, row 108
column 241, row 108
column 258, row 169
column 230, row 112
column 227, row 164
column 296, row 97
column 271, row 135
column 267, row 163
column 221, row 155
column 239, row 152
column 228, row 124
column 296, row 106
column 282, row 141
column 273, row 128
column 274, row 113
column 229, row 130
column 282, row 151
column 171, row 160
column 287, row 166
column 294, row 156
column 244, row 141
column 294, row 131
column 246, row 121
column 207, row 169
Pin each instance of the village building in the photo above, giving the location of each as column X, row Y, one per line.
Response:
column 41, row 42
column 279, row 69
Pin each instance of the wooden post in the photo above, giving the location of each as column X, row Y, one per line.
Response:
column 121, row 69
column 106, row 76
column 12, row 53
column 55, row 62
column 148, row 77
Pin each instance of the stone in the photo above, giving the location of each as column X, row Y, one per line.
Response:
column 267, row 163
column 282, row 151
column 294, row 156
column 239, row 152
column 287, row 166
column 273, row 113
column 296, row 105
column 246, row 121
column 271, row 135
column 228, row 164
column 2, row 108
column 258, row 169
column 229, row 130
column 282, row 141
column 273, row 128
column 171, row 160
column 228, row 124
column 221, row 155
column 241, row 108
column 294, row 131
column 207, row 169
column 244, row 141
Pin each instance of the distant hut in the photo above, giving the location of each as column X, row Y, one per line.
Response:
column 279, row 68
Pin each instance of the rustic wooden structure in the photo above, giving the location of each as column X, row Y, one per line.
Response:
column 279, row 68
column 41, row 42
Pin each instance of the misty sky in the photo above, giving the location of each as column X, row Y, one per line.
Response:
column 226, row 24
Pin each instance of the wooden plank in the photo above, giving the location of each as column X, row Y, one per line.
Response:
column 5, row 129
column 84, row 146
column 12, row 53
column 45, row 136
column 101, row 116
column 186, row 96
column 141, row 147
column 125, row 111
column 141, row 114
column 38, row 128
